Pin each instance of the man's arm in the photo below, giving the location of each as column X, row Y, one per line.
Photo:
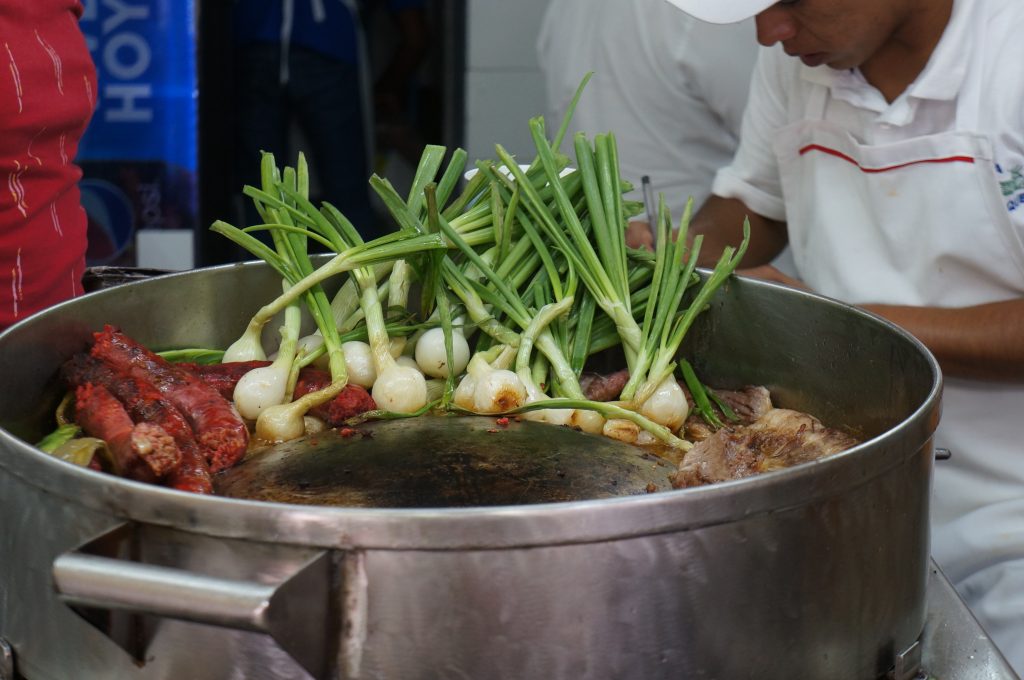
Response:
column 720, row 221
column 984, row 341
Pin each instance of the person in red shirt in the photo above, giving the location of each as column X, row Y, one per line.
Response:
column 47, row 95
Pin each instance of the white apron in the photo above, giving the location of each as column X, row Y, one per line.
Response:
column 922, row 222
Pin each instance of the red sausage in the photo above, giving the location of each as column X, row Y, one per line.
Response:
column 141, row 451
column 218, row 427
column 144, row 403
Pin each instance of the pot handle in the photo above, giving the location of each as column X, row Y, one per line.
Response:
column 295, row 612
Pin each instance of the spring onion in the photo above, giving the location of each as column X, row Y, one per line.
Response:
column 523, row 276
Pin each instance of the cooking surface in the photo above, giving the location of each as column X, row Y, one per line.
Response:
column 954, row 645
column 431, row 462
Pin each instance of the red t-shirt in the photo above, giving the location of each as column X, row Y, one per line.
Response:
column 47, row 96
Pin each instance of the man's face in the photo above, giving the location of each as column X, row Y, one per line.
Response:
column 841, row 34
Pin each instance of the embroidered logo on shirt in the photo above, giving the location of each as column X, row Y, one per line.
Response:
column 1016, row 181
column 1013, row 187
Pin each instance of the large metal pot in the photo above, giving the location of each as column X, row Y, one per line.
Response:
column 813, row 572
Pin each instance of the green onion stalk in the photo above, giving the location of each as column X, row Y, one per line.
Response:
column 272, row 385
column 384, row 249
column 574, row 243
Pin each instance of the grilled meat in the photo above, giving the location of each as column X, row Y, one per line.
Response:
column 218, row 427
column 780, row 438
column 144, row 403
column 597, row 387
column 143, row 451
column 193, row 475
column 748, row 404
column 350, row 402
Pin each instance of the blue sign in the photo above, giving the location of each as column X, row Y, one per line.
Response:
column 139, row 156
column 144, row 51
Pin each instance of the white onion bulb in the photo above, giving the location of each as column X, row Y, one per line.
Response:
column 310, row 344
column 587, row 420
column 400, row 389
column 552, row 416
column 289, row 421
column 280, row 423
column 313, row 424
column 498, row 390
column 408, row 361
column 558, row 416
column 249, row 347
column 359, row 363
column 534, row 395
column 667, row 405
column 645, row 438
column 621, row 429
column 463, row 396
column 486, row 389
column 259, row 389
column 431, row 357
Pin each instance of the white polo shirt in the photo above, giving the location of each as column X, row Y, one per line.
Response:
column 671, row 88
column 980, row 55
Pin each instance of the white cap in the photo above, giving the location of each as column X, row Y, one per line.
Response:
column 722, row 11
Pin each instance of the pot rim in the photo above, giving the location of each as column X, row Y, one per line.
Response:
column 493, row 527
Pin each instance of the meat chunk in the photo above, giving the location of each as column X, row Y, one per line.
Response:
column 143, row 451
column 597, row 387
column 748, row 404
column 778, row 439
column 217, row 426
column 350, row 402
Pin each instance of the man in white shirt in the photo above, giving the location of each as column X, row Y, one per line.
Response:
column 884, row 142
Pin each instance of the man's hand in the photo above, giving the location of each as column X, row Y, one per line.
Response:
column 720, row 221
column 638, row 235
column 767, row 272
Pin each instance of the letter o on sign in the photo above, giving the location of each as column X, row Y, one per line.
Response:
column 126, row 45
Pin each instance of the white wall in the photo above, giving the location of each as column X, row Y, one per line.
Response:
column 503, row 84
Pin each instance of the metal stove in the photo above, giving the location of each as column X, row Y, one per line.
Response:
column 954, row 645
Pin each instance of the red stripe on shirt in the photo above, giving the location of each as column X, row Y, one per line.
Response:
column 840, row 154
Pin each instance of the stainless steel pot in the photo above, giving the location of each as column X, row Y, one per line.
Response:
column 817, row 571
